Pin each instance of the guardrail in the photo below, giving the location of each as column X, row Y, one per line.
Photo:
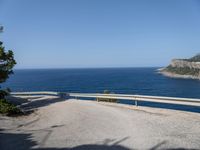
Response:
column 135, row 98
column 34, row 93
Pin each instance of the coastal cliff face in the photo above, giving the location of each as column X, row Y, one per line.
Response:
column 183, row 68
column 179, row 63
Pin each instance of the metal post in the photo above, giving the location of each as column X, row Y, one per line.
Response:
column 136, row 103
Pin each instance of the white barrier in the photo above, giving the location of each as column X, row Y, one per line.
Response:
column 136, row 98
column 34, row 93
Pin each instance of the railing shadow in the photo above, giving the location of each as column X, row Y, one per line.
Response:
column 30, row 103
column 37, row 103
column 187, row 108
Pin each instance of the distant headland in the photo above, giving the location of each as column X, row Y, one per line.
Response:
column 183, row 68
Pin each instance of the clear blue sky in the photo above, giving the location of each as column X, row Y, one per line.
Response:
column 100, row 33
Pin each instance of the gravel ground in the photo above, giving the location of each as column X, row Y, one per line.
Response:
column 58, row 124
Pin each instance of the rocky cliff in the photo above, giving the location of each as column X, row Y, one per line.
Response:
column 180, row 63
column 183, row 68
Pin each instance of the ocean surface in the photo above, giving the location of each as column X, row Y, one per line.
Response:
column 144, row 81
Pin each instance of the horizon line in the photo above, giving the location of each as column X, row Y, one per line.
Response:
column 87, row 68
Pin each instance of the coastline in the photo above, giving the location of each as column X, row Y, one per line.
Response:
column 174, row 75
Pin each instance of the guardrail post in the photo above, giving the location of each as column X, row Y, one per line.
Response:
column 136, row 102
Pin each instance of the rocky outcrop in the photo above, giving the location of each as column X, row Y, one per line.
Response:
column 181, row 63
column 183, row 68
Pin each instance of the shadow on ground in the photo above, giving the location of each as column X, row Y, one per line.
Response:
column 41, row 102
column 17, row 100
column 36, row 102
column 194, row 109
column 11, row 141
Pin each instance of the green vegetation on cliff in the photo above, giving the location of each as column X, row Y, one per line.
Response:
column 189, row 67
column 196, row 58
column 183, row 70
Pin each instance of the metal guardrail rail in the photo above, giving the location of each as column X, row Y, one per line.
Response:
column 135, row 98
column 34, row 93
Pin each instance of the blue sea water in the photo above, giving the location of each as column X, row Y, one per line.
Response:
column 144, row 81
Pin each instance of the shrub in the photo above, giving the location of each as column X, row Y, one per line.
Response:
column 4, row 93
column 106, row 92
column 8, row 108
column 107, row 99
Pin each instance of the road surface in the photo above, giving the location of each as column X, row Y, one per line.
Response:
column 58, row 124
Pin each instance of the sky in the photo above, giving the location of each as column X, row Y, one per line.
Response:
column 100, row 33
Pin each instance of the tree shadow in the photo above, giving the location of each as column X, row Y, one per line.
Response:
column 11, row 141
column 158, row 146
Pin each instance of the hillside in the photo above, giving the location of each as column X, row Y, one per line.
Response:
column 183, row 68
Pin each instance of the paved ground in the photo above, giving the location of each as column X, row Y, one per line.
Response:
column 58, row 124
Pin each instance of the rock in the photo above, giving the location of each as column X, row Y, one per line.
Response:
column 183, row 68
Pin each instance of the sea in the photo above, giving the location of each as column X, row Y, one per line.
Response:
column 143, row 81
